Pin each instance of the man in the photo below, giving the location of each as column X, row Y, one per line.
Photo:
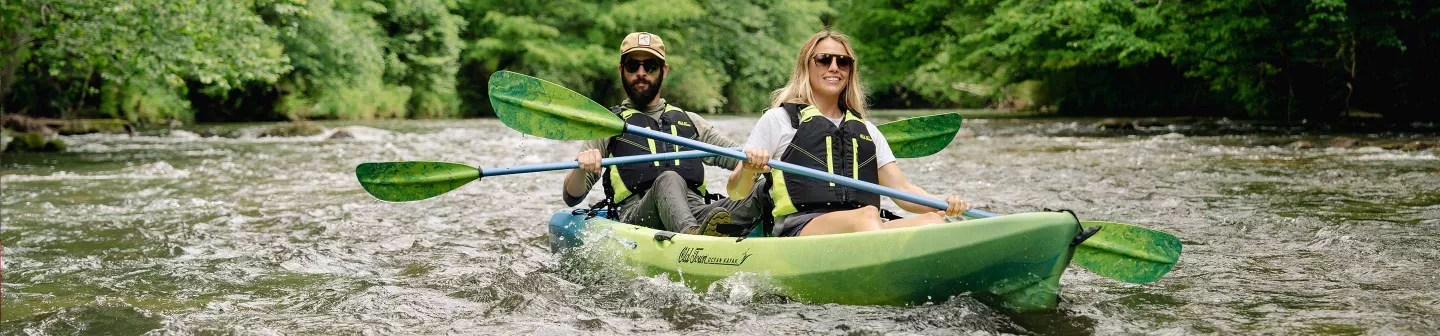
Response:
column 666, row 195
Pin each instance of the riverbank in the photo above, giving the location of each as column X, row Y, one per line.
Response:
column 967, row 113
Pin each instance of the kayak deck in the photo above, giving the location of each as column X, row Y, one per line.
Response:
column 1017, row 259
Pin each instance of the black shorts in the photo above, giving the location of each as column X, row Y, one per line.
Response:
column 791, row 225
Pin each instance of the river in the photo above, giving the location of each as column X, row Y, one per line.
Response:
column 172, row 234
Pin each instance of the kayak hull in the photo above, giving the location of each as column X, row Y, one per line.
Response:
column 1015, row 260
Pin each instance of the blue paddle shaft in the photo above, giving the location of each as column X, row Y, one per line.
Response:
column 802, row 171
column 540, row 167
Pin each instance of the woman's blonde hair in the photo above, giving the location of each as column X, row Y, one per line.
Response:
column 798, row 90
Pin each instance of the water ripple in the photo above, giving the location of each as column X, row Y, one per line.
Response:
column 181, row 235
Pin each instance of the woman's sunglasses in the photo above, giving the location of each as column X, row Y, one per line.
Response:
column 824, row 60
column 650, row 65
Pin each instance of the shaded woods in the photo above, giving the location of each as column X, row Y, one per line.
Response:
column 154, row 61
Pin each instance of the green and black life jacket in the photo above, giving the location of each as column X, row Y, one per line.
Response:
column 622, row 181
column 846, row 150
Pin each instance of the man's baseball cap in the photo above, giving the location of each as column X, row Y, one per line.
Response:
column 643, row 41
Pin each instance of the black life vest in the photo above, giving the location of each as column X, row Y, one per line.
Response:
column 846, row 150
column 622, row 181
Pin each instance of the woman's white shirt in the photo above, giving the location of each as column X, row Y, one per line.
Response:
column 774, row 134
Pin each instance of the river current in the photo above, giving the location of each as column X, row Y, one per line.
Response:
column 174, row 234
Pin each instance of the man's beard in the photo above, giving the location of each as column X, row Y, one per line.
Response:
column 641, row 99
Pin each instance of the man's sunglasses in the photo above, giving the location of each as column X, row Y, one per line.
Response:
column 650, row 65
column 824, row 61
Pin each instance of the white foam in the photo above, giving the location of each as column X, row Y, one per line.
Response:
column 1396, row 156
column 151, row 171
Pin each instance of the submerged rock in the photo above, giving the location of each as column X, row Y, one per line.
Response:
column 232, row 134
column 1302, row 144
column 1113, row 123
column 358, row 133
column 1149, row 122
column 1144, row 123
column 1421, row 145
column 183, row 134
column 1410, row 146
column 1346, row 142
column 34, row 142
column 55, row 145
column 301, row 128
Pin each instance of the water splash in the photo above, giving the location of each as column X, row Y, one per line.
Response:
column 274, row 236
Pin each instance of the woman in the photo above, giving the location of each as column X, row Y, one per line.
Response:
column 816, row 121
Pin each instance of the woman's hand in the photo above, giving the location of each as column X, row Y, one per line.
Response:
column 589, row 160
column 756, row 160
column 957, row 205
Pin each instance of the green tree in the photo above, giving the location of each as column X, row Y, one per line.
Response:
column 140, row 52
column 725, row 55
column 1262, row 58
column 423, row 51
column 904, row 47
column 15, row 40
column 339, row 62
column 747, row 49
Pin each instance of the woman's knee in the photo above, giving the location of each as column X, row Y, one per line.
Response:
column 867, row 218
column 932, row 218
column 868, row 211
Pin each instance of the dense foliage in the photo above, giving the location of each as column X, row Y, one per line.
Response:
column 156, row 60
column 1282, row 59
column 724, row 55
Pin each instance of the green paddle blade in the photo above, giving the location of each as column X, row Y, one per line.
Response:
column 920, row 136
column 413, row 181
column 1127, row 253
column 536, row 107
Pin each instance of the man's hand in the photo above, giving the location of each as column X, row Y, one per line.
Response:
column 589, row 160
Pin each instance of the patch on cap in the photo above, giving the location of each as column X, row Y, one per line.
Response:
column 648, row 42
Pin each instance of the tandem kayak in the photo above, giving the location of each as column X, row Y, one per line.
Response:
column 1014, row 261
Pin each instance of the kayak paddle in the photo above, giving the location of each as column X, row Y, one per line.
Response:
column 920, row 136
column 1127, row 253
column 562, row 114
column 1124, row 252
column 537, row 107
column 417, row 180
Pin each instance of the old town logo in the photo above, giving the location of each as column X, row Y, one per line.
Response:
column 696, row 255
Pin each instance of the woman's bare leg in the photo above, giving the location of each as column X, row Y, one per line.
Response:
column 858, row 220
column 922, row 219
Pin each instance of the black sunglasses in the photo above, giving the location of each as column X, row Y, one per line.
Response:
column 650, row 65
column 824, row 61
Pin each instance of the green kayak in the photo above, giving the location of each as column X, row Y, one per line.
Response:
column 1014, row 261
